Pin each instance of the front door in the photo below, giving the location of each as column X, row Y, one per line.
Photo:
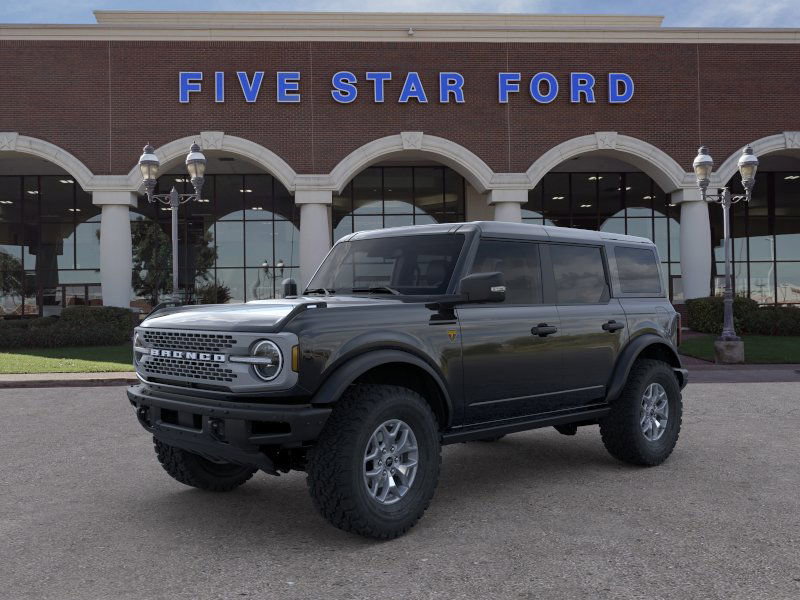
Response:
column 509, row 349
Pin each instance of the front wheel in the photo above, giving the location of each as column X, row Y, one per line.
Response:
column 375, row 466
column 645, row 421
column 195, row 471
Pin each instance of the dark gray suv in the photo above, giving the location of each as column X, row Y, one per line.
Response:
column 407, row 339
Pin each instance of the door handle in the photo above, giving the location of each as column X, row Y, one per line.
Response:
column 543, row 330
column 612, row 326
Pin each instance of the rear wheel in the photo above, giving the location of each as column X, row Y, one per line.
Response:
column 375, row 466
column 195, row 471
column 645, row 421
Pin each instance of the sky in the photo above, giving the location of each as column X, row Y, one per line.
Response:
column 678, row 13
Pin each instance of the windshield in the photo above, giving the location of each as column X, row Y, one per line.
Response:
column 411, row 264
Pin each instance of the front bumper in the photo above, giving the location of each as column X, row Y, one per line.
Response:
column 231, row 431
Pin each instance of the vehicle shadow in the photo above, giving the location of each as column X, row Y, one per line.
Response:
column 277, row 512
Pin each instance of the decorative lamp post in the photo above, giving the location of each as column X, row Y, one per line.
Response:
column 728, row 347
column 196, row 165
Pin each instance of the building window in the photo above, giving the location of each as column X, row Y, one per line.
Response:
column 241, row 241
column 629, row 203
column 396, row 196
column 766, row 240
column 49, row 245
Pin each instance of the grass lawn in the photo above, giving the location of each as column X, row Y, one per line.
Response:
column 758, row 349
column 91, row 359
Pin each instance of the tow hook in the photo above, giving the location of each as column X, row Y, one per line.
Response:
column 143, row 414
column 216, row 428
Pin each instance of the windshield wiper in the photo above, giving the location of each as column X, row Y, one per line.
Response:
column 323, row 291
column 377, row 289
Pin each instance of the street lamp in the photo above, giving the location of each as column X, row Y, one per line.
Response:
column 703, row 165
column 196, row 165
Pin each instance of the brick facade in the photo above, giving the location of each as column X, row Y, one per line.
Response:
column 101, row 100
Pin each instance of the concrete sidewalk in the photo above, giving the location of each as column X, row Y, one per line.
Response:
column 48, row 380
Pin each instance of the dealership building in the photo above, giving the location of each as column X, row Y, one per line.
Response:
column 315, row 125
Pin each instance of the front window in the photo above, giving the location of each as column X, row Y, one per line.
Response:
column 408, row 265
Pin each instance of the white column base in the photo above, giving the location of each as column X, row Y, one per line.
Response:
column 695, row 243
column 315, row 231
column 508, row 204
column 116, row 255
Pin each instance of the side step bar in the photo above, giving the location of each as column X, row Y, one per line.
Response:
column 490, row 430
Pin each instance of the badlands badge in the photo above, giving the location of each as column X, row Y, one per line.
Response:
column 452, row 333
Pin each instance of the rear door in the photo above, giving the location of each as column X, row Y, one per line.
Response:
column 509, row 370
column 593, row 324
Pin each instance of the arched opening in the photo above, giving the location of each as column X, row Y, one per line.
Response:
column 600, row 192
column 235, row 245
column 49, row 238
column 408, row 179
column 765, row 233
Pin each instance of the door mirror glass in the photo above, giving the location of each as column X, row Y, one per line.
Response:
column 483, row 287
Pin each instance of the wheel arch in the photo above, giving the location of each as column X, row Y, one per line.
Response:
column 390, row 367
column 644, row 346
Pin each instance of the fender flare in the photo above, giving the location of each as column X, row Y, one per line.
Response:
column 629, row 355
column 335, row 385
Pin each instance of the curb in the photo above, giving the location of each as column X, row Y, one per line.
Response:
column 82, row 380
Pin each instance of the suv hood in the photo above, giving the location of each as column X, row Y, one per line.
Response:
column 259, row 315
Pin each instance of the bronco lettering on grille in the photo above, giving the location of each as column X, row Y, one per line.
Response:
column 204, row 356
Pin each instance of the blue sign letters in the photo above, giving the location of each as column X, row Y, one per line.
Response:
column 543, row 87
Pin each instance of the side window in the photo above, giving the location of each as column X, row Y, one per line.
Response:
column 638, row 270
column 519, row 264
column 579, row 274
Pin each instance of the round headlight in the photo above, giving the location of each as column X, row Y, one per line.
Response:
column 269, row 368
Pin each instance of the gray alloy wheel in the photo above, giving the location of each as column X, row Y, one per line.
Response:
column 654, row 412
column 390, row 461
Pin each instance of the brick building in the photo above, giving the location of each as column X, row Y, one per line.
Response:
column 319, row 124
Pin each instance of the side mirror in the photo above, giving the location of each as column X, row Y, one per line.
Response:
column 289, row 287
column 483, row 287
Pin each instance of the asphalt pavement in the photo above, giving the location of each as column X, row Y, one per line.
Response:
column 86, row 512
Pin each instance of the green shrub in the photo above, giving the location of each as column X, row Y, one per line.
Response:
column 213, row 293
column 705, row 315
column 77, row 326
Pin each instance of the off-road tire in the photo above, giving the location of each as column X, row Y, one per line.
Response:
column 335, row 465
column 620, row 429
column 195, row 471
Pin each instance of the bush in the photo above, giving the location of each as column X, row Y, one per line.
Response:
column 213, row 293
column 77, row 326
column 705, row 315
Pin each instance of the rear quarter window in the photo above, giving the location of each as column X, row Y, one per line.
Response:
column 637, row 269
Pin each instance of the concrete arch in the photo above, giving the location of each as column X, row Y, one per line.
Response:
column 781, row 142
column 11, row 141
column 218, row 140
column 661, row 167
column 414, row 143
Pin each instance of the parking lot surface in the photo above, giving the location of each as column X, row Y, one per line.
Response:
column 87, row 512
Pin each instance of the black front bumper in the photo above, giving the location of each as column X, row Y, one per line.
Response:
column 235, row 432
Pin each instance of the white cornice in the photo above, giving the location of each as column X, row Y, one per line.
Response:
column 388, row 27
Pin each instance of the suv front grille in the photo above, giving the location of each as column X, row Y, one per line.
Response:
column 193, row 342
column 188, row 369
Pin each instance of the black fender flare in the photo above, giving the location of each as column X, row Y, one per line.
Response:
column 629, row 355
column 335, row 385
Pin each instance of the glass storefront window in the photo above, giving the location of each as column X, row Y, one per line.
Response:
column 381, row 197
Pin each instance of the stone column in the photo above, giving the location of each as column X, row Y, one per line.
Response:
column 116, row 254
column 695, row 243
column 508, row 204
column 315, row 231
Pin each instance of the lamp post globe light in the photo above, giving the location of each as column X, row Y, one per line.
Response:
column 728, row 347
column 196, row 166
